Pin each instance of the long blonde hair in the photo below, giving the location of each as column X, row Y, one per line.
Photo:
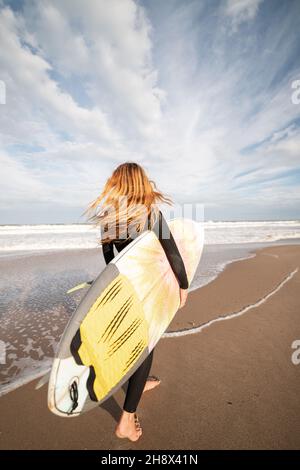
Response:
column 128, row 198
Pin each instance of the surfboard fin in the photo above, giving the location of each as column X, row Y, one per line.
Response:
column 80, row 286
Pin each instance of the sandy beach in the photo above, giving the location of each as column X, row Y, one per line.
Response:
column 231, row 385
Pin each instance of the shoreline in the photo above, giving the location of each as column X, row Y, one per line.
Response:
column 231, row 385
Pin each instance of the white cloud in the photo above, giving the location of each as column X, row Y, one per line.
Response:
column 241, row 10
column 30, row 88
column 108, row 46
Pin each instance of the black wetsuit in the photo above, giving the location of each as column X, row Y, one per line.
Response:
column 136, row 382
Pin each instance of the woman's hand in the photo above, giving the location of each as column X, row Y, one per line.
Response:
column 183, row 297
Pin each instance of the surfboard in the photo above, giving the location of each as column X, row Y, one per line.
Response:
column 120, row 319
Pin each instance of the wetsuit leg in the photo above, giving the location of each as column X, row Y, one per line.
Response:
column 136, row 385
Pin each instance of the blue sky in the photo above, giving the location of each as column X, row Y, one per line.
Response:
column 198, row 92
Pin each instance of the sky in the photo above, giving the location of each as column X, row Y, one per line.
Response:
column 204, row 94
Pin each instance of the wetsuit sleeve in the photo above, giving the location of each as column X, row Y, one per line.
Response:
column 107, row 248
column 164, row 234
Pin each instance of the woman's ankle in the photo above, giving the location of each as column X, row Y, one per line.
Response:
column 127, row 416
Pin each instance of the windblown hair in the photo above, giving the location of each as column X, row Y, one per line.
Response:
column 127, row 203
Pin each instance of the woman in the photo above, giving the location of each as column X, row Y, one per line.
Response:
column 129, row 201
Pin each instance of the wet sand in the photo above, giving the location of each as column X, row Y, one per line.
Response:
column 230, row 386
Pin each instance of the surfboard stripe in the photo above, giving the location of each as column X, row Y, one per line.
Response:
column 138, row 349
column 117, row 319
column 136, row 322
column 116, row 327
column 140, row 343
column 112, row 289
column 124, row 337
column 102, row 297
column 113, row 321
column 113, row 295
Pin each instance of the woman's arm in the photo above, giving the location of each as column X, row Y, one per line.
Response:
column 107, row 248
column 168, row 243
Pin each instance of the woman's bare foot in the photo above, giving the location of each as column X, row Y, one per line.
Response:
column 152, row 382
column 129, row 426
